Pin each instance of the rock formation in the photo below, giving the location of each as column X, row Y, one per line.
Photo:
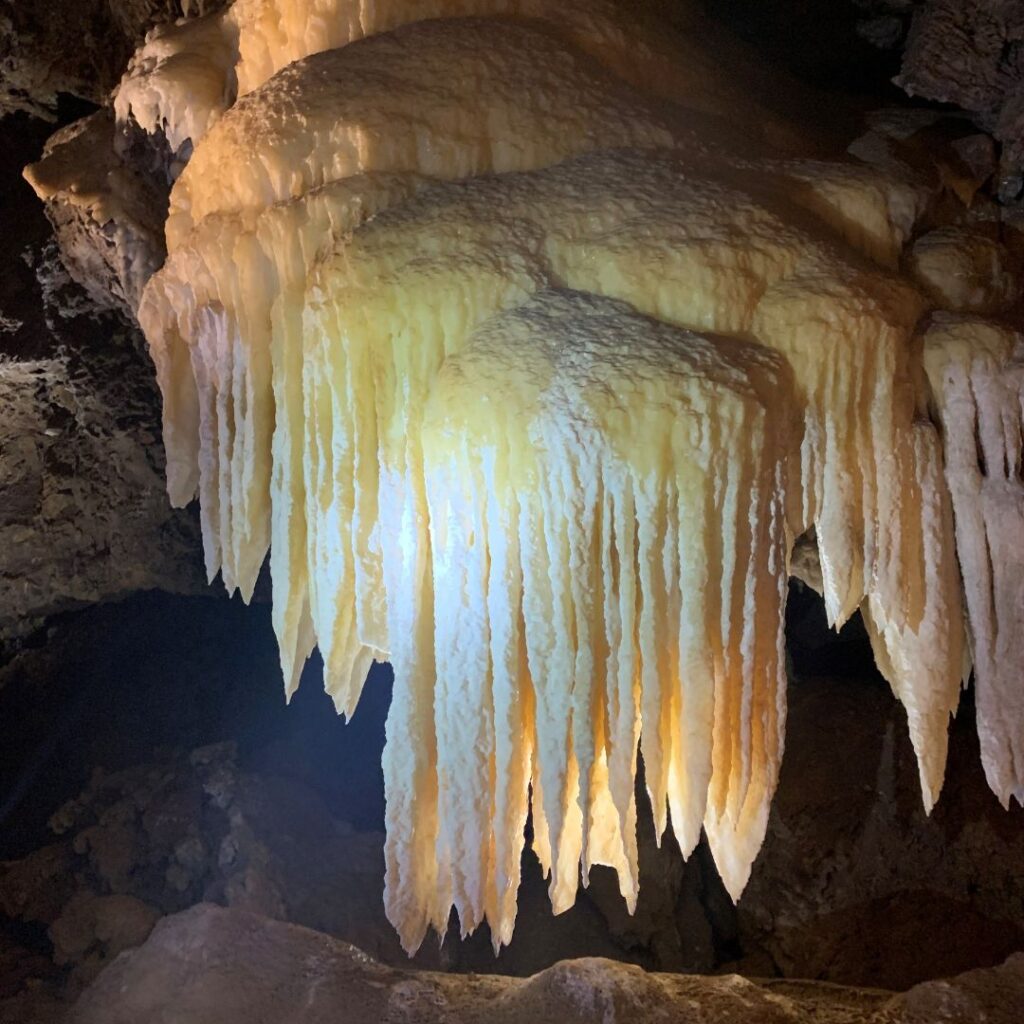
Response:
column 83, row 511
column 75, row 49
column 968, row 53
column 215, row 965
column 529, row 343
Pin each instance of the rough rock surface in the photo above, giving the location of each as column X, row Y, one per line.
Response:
column 971, row 53
column 83, row 509
column 83, row 514
column 210, row 965
column 78, row 48
column 154, row 839
column 107, row 215
column 853, row 874
column 852, row 879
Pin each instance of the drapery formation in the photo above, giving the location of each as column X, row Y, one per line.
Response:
column 528, row 378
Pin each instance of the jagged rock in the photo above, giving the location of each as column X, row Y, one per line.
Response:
column 84, row 514
column 106, row 215
column 211, row 965
column 78, row 48
column 969, row 53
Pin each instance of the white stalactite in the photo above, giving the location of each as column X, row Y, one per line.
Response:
column 976, row 370
column 529, row 382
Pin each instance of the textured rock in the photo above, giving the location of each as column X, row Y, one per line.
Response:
column 83, row 509
column 968, row 53
column 107, row 216
column 853, row 875
column 965, row 270
column 78, row 48
column 183, row 828
column 992, row 995
column 92, row 930
column 83, row 514
column 214, row 965
column 855, row 885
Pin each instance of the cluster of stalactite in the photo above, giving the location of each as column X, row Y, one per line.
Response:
column 527, row 353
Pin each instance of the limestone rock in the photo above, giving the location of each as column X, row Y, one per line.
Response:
column 106, row 215
column 92, row 930
column 83, row 514
column 211, row 965
column 78, row 48
column 992, row 995
column 967, row 52
column 965, row 271
column 853, row 872
column 184, row 828
column 83, row 508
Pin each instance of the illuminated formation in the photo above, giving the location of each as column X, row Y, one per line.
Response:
column 581, row 489
column 526, row 351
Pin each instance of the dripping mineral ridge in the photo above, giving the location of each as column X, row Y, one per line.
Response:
column 528, row 343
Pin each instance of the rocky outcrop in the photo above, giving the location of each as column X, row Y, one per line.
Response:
column 107, row 216
column 83, row 508
column 215, row 966
column 969, row 53
column 75, row 48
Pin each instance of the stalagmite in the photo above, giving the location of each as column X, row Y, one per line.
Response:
column 504, row 329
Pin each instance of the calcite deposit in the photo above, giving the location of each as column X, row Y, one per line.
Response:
column 528, row 341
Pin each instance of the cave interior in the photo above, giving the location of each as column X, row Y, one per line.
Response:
column 186, row 838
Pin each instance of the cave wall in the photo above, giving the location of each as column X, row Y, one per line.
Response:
column 83, row 509
column 79, row 49
column 165, row 769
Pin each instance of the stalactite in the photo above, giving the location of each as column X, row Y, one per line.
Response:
column 976, row 370
column 641, row 581
column 528, row 360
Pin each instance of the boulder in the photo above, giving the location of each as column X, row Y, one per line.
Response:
column 210, row 965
